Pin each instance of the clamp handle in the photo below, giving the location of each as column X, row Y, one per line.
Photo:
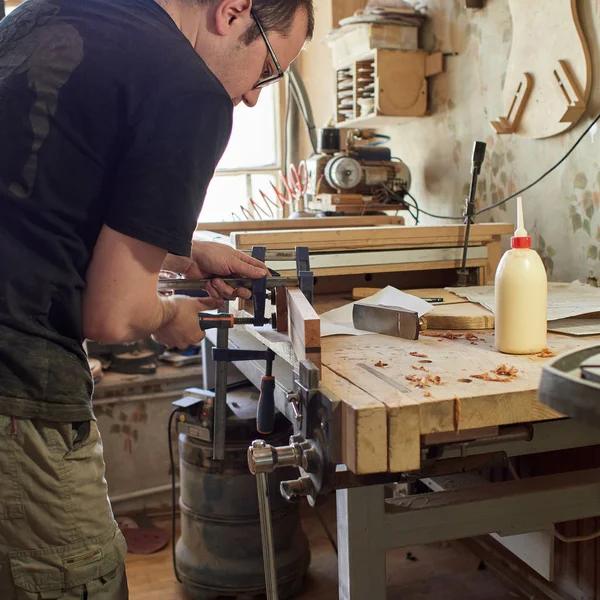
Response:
column 265, row 413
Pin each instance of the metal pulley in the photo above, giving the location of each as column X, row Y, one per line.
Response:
column 343, row 172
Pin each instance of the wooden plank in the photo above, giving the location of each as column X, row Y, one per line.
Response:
column 390, row 268
column 229, row 227
column 379, row 259
column 364, row 441
column 304, row 327
column 494, row 255
column 353, row 238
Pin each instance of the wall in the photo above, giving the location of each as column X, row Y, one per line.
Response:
column 562, row 211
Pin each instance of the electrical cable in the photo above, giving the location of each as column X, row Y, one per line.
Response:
column 522, row 191
column 173, row 494
column 579, row 140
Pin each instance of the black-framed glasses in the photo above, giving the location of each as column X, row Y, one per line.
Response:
column 272, row 71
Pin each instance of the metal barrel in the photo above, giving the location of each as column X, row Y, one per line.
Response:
column 219, row 553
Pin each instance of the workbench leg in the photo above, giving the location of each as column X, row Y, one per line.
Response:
column 361, row 550
column 208, row 365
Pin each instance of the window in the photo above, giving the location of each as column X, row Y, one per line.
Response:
column 250, row 163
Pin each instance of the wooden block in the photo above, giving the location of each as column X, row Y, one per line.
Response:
column 281, row 307
column 434, row 64
column 463, row 315
column 304, row 327
column 364, row 443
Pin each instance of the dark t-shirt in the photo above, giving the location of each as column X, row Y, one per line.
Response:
column 107, row 116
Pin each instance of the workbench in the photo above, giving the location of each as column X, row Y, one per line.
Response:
column 386, row 426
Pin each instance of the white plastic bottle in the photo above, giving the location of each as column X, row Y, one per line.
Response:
column 521, row 296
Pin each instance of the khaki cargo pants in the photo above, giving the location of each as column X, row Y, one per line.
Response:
column 58, row 536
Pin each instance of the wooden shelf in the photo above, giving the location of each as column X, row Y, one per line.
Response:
column 374, row 122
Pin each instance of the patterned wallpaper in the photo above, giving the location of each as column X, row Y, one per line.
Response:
column 562, row 212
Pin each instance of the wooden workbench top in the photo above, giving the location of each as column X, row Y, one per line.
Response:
column 391, row 397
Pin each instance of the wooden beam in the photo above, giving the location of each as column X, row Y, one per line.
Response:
column 304, row 327
column 364, row 439
column 228, row 227
column 364, row 238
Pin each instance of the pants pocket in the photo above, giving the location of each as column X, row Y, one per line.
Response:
column 90, row 570
column 11, row 501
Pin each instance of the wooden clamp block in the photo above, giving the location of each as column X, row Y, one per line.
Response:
column 304, row 328
column 569, row 87
column 510, row 123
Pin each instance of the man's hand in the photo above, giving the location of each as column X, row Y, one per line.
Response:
column 182, row 329
column 211, row 258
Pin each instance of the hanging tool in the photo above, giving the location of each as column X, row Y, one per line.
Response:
column 479, row 149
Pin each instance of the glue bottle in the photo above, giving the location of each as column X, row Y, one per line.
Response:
column 521, row 296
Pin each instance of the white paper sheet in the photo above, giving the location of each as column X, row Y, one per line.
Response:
column 564, row 299
column 339, row 320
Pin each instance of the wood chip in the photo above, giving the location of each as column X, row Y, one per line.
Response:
column 418, row 355
column 418, row 381
column 472, row 337
column 419, row 368
column 380, row 364
column 464, row 380
column 546, row 353
column 425, row 362
column 506, row 371
column 449, row 335
column 435, row 379
column 427, row 394
column 501, row 374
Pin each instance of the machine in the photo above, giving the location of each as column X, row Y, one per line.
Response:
column 363, row 177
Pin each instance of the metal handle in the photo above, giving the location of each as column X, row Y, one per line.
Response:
column 266, row 526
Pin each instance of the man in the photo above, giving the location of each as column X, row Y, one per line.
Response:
column 113, row 116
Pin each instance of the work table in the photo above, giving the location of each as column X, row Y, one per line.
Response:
column 389, row 398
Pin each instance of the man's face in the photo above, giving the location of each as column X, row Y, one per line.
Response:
column 250, row 64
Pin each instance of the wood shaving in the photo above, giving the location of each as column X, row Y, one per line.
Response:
column 449, row 335
column 506, row 371
column 473, row 343
column 457, row 413
column 435, row 379
column 427, row 394
column 465, row 380
column 490, row 377
column 425, row 362
column 472, row 337
column 546, row 353
column 419, row 368
column 380, row 364
column 501, row 374
column 418, row 355
column 418, row 381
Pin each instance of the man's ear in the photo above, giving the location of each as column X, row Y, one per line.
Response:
column 233, row 17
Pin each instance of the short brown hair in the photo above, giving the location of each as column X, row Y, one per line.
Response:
column 278, row 15
column 275, row 15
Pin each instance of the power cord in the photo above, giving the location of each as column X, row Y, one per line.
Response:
column 501, row 202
